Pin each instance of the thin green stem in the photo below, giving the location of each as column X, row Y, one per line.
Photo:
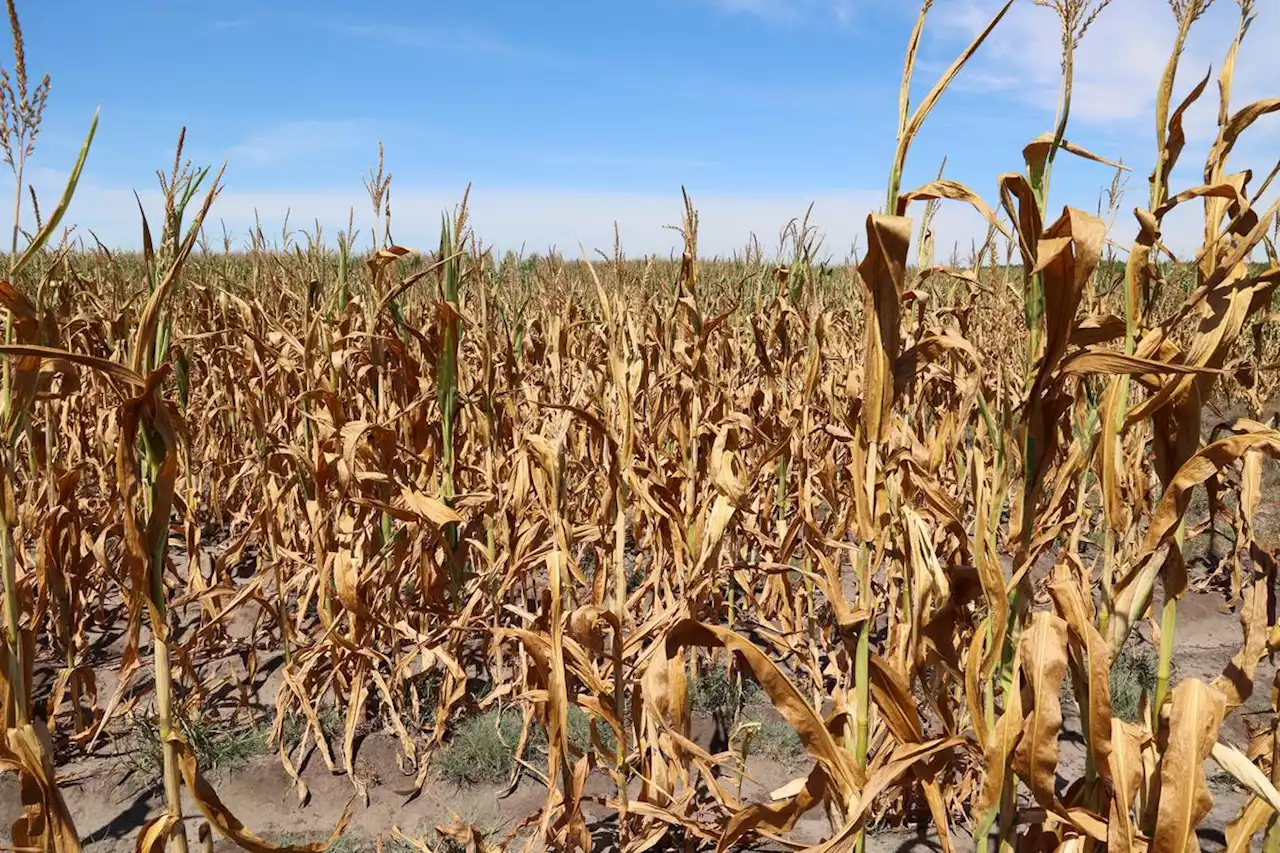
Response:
column 18, row 170
column 13, row 621
column 1168, row 625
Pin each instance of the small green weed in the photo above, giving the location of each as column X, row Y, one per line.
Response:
column 217, row 744
column 224, row 745
column 1223, row 782
column 346, row 843
column 296, row 724
column 483, row 747
column 482, row 750
column 1132, row 674
column 773, row 739
column 580, row 732
column 423, row 692
column 716, row 689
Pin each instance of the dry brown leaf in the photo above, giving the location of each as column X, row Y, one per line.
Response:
column 1184, row 797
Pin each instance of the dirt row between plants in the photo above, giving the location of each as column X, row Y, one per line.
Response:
column 110, row 799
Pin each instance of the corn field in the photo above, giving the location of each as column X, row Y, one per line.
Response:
column 921, row 507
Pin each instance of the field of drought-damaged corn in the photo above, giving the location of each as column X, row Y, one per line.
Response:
column 323, row 543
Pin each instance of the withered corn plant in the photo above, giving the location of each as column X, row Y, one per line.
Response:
column 147, row 453
column 916, row 503
column 28, row 749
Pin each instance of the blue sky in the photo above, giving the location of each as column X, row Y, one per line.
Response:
column 567, row 116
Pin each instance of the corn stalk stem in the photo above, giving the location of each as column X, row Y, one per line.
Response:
column 18, row 169
column 861, row 708
column 447, row 391
column 1168, row 627
column 862, row 654
column 8, row 566
column 1008, row 813
column 982, row 832
column 12, row 617
column 172, row 774
column 620, row 613
column 1168, row 624
column 861, row 703
column 1108, row 578
column 159, row 630
column 50, row 451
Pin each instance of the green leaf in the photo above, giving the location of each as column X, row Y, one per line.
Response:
column 37, row 242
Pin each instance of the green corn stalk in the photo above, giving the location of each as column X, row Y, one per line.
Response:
column 14, row 414
column 344, row 273
column 447, row 389
column 151, row 350
column 1169, row 610
column 909, row 123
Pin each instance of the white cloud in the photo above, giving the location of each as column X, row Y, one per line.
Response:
column 1117, row 73
column 534, row 219
column 291, row 140
column 1119, row 63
